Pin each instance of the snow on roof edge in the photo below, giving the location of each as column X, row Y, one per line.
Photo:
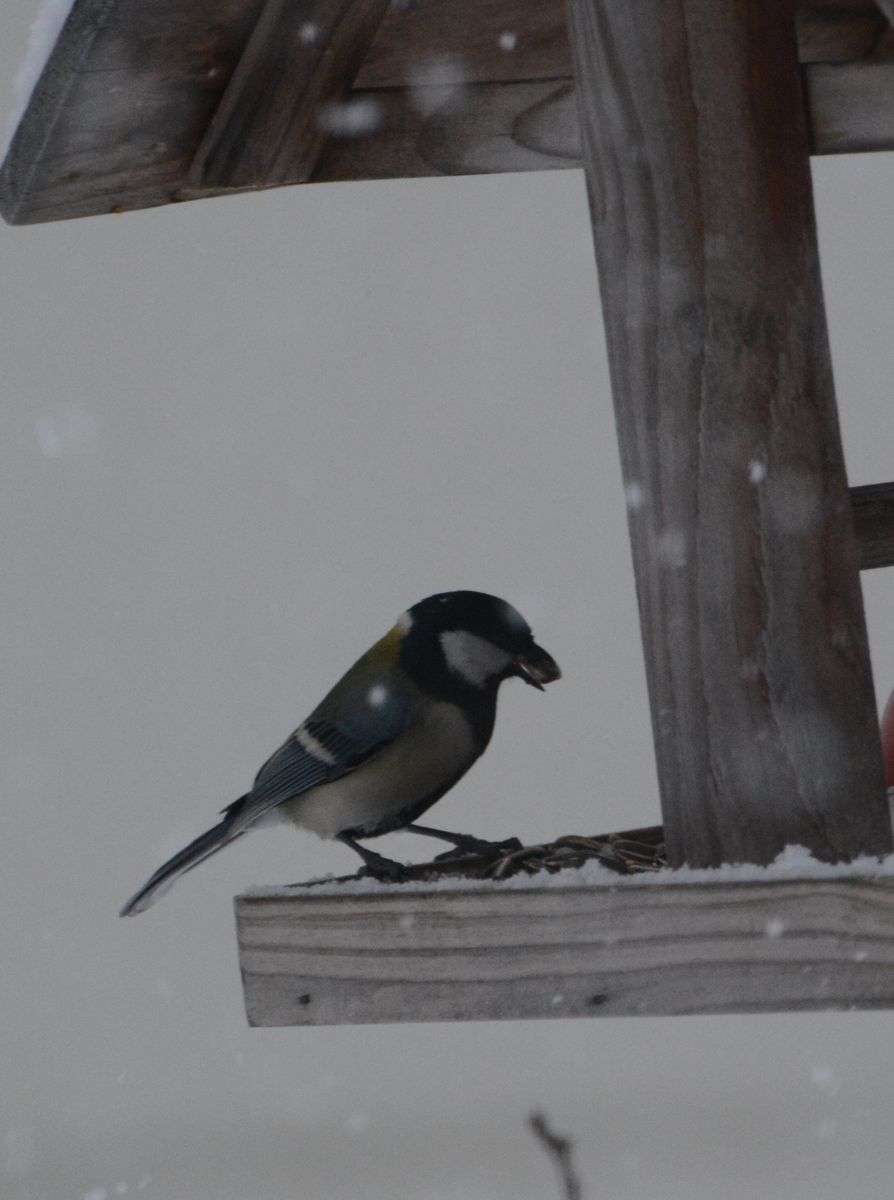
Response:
column 42, row 37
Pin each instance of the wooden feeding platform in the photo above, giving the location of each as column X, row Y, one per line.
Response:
column 651, row 943
column 699, row 943
column 694, row 122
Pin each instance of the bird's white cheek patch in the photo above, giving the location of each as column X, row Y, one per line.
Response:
column 472, row 658
column 376, row 696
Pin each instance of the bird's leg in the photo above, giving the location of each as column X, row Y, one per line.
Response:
column 376, row 864
column 465, row 843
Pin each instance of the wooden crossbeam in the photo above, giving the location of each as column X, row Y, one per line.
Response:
column 481, row 128
column 631, row 949
column 468, row 35
column 271, row 123
column 850, row 107
column 485, row 128
column 873, row 510
column 219, row 95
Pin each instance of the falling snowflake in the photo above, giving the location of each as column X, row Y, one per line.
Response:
column 437, row 83
column 634, row 495
column 757, row 471
column 672, row 548
column 351, row 118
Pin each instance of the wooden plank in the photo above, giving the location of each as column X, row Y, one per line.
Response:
column 743, row 543
column 476, row 129
column 490, row 41
column 476, row 41
column 633, row 949
column 122, row 105
column 851, row 106
column 488, row 128
column 125, row 104
column 272, row 121
column 873, row 508
column 836, row 31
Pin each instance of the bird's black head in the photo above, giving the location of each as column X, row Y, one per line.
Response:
column 477, row 639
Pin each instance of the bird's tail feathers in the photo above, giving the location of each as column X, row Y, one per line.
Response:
column 190, row 856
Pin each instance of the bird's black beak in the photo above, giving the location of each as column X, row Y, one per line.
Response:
column 536, row 667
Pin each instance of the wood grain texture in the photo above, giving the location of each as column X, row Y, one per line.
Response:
column 743, row 543
column 125, row 104
column 832, row 31
column 635, row 949
column 428, row 38
column 472, row 130
column 487, row 128
column 851, row 106
column 272, row 121
column 428, row 41
column 873, row 508
column 122, row 105
column 887, row 8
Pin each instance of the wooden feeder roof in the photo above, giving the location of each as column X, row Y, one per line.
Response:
column 144, row 102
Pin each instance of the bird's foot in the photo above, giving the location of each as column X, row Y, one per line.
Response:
column 376, row 865
column 384, row 869
column 479, row 846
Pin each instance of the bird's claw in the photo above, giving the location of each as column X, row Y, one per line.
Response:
column 473, row 845
column 385, row 870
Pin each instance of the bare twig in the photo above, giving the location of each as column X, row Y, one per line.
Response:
column 560, row 1151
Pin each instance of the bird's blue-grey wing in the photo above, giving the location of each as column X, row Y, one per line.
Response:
column 320, row 751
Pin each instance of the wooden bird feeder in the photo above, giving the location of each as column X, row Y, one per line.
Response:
column 693, row 121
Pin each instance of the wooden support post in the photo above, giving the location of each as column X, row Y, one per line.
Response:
column 696, row 152
column 873, row 509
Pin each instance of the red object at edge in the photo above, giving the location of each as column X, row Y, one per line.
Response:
column 888, row 740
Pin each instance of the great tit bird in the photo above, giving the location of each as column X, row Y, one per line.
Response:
column 394, row 734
